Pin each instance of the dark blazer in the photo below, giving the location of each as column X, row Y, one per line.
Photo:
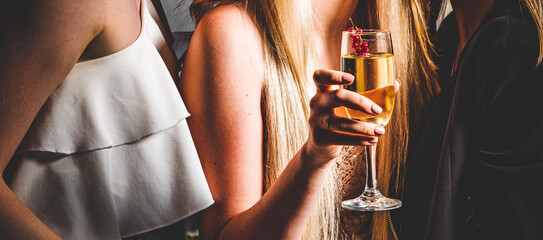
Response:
column 476, row 169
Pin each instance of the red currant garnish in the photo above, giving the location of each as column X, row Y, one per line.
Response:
column 359, row 46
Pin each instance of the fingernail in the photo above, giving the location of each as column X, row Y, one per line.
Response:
column 379, row 130
column 347, row 78
column 376, row 109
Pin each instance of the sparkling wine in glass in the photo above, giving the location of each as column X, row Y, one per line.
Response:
column 368, row 55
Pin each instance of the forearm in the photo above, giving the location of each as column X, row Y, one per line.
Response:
column 284, row 209
column 17, row 221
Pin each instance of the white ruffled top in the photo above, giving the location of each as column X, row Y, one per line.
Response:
column 110, row 154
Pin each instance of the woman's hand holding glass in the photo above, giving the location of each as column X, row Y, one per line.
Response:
column 329, row 132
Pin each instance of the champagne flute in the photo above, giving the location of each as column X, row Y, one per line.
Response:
column 368, row 55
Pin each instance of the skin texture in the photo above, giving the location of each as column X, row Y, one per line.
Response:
column 221, row 85
column 41, row 42
column 330, row 21
column 468, row 15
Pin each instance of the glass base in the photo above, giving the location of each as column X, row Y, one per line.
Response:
column 376, row 203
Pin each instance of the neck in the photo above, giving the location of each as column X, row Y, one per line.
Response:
column 331, row 18
column 469, row 15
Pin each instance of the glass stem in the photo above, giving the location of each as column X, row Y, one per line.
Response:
column 371, row 189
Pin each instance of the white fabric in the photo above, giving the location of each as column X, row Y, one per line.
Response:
column 110, row 154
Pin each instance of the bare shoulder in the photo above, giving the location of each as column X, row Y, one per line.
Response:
column 99, row 27
column 28, row 15
column 229, row 22
column 62, row 25
column 224, row 65
column 228, row 35
column 40, row 41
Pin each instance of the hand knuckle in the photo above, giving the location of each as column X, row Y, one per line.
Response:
column 344, row 126
column 364, row 101
column 314, row 102
column 317, row 73
column 337, row 76
column 312, row 120
column 363, row 128
column 366, row 104
column 332, row 123
column 339, row 94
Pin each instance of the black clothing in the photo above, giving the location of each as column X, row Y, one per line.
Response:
column 476, row 171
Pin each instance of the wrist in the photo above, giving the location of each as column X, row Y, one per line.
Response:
column 314, row 157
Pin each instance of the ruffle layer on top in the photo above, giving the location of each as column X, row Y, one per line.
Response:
column 107, row 102
column 110, row 154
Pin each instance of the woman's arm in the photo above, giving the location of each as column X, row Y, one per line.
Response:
column 221, row 84
column 41, row 41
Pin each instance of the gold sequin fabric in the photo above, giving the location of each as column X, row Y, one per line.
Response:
column 353, row 225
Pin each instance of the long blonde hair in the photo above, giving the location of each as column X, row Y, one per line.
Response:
column 285, row 27
column 535, row 7
column 286, row 32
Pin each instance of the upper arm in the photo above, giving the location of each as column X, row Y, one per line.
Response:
column 41, row 42
column 221, row 84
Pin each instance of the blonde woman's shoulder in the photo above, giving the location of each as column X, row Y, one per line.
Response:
column 229, row 20
column 227, row 37
column 230, row 23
